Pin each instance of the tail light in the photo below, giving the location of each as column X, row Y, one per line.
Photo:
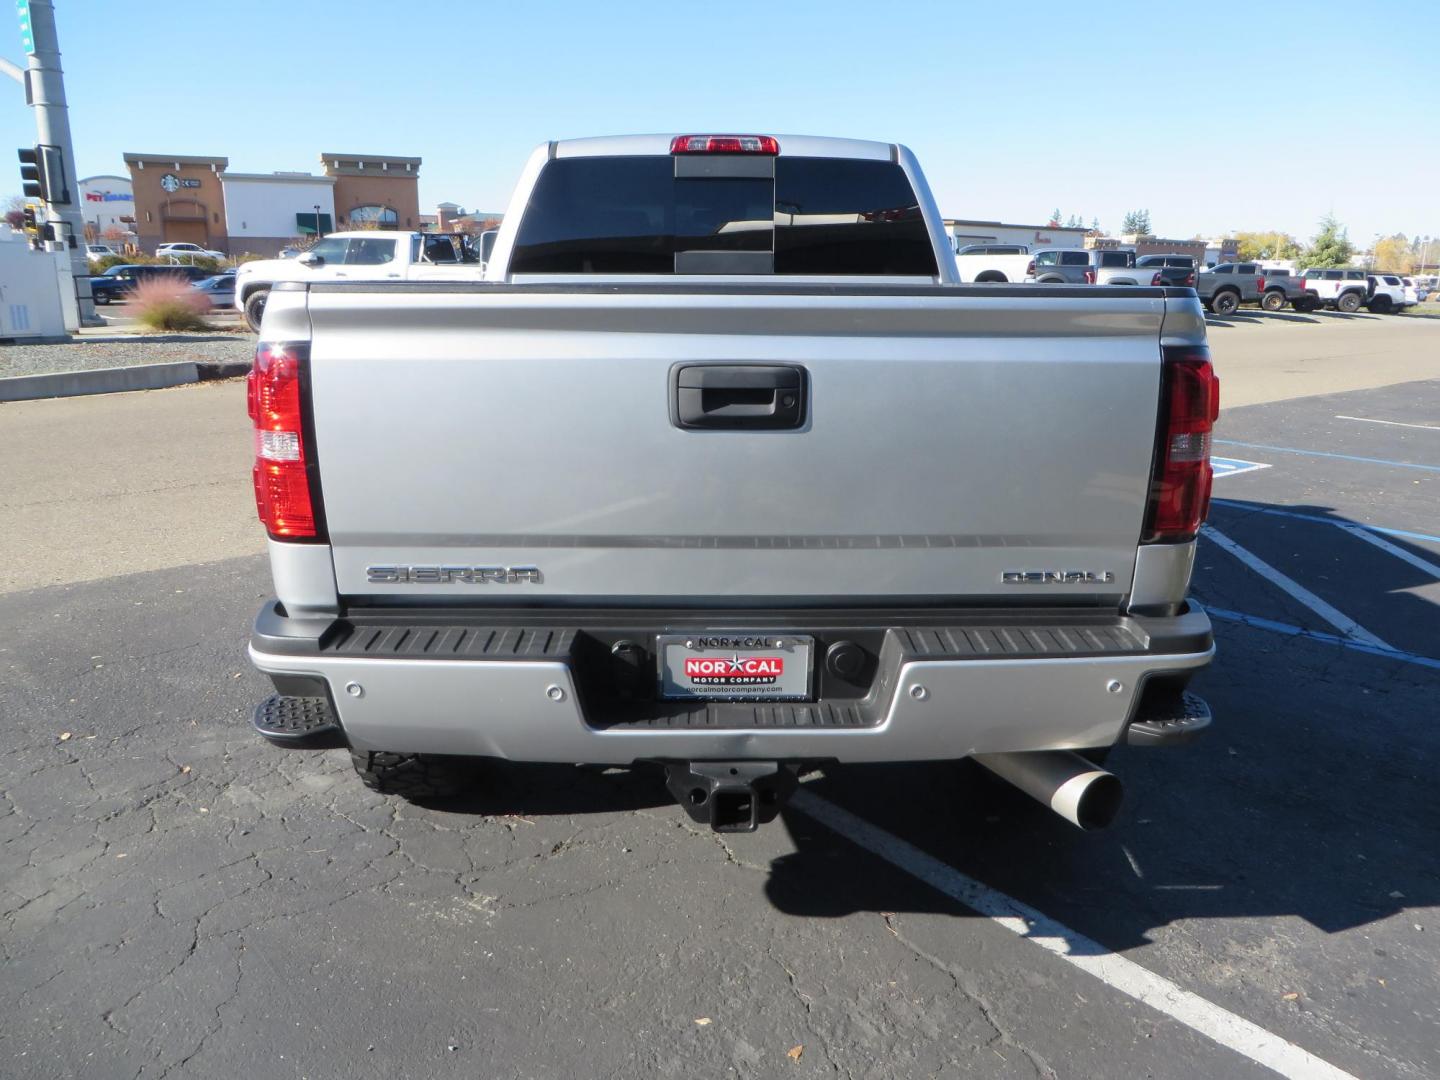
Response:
column 1260, row 284
column 1089, row 277
column 1156, row 279
column 1190, row 279
column 1180, row 483
column 724, row 144
column 285, row 489
column 1030, row 268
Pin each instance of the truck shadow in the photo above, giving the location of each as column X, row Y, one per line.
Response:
column 1247, row 318
column 1313, row 795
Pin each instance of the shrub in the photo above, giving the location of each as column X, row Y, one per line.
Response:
column 99, row 266
column 162, row 304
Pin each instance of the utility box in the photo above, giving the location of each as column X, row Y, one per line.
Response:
column 31, row 301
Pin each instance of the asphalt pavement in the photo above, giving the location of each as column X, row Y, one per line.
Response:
column 178, row 899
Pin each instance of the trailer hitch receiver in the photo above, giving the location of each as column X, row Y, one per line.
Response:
column 731, row 796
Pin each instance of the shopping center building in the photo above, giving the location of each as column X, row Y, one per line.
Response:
column 196, row 199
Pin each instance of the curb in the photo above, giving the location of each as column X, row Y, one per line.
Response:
column 117, row 380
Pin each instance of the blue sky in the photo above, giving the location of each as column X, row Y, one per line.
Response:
column 1182, row 127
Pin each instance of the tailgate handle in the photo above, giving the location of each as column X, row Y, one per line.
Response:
column 741, row 397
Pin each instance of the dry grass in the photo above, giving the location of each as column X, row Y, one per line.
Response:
column 169, row 304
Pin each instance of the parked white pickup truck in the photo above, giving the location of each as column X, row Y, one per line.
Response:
column 720, row 469
column 366, row 255
column 992, row 263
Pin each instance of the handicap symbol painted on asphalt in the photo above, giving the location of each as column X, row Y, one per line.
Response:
column 1225, row 466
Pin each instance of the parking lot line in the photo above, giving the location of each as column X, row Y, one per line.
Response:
column 1392, row 423
column 1290, row 630
column 1336, row 618
column 1328, row 454
column 1384, row 545
column 1129, row 978
column 1250, row 508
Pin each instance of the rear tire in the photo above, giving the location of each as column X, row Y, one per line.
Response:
column 991, row 277
column 1349, row 303
column 1382, row 305
column 255, row 308
column 416, row 777
column 1273, row 300
column 1225, row 303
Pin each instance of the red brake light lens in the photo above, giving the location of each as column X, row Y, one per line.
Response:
column 724, row 144
column 1156, row 279
column 1260, row 284
column 1180, row 484
column 281, row 474
column 1089, row 277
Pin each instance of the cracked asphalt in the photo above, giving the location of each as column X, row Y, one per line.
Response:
column 178, row 899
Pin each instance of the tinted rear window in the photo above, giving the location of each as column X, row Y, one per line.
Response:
column 1074, row 258
column 631, row 215
column 1114, row 258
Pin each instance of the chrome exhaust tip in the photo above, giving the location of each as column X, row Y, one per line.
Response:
column 1078, row 790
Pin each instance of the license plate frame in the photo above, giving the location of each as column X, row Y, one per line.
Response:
column 743, row 676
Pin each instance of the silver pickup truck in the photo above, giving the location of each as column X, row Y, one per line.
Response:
column 721, row 469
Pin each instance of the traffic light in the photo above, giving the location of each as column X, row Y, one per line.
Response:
column 42, row 172
column 31, row 175
column 32, row 224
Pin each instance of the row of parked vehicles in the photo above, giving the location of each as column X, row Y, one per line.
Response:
column 115, row 284
column 1222, row 288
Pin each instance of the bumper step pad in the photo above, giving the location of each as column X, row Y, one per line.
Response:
column 1175, row 719
column 299, row 723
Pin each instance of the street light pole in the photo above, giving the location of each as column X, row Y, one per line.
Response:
column 317, row 221
column 46, row 92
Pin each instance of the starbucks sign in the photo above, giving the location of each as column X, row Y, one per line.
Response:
column 172, row 183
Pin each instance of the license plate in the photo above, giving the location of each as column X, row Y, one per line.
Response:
column 736, row 666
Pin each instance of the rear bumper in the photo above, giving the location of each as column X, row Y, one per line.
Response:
column 528, row 687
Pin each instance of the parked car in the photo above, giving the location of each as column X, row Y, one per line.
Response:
column 219, row 290
column 112, row 286
column 1226, row 286
column 1178, row 270
column 992, row 263
column 369, row 255
column 96, row 252
column 1282, row 287
column 186, row 251
column 1415, row 290
column 1344, row 290
column 583, row 511
column 1079, row 266
column 1387, row 293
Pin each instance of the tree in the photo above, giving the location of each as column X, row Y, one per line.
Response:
column 1266, row 245
column 1074, row 222
column 1395, row 253
column 1331, row 246
column 1137, row 222
column 15, row 212
column 1054, row 218
column 1095, row 225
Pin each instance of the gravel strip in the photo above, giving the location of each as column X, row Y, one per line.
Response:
column 119, row 350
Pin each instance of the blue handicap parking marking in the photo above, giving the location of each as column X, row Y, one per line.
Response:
column 1225, row 466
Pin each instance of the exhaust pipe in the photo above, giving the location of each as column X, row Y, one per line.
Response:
column 1078, row 790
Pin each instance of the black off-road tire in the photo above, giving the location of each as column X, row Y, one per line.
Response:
column 1224, row 302
column 255, row 308
column 1382, row 305
column 417, row 777
column 1273, row 300
column 1349, row 303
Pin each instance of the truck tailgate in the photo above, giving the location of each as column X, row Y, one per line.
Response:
column 951, row 436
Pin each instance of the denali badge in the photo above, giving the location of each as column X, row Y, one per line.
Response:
column 446, row 575
column 1056, row 577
